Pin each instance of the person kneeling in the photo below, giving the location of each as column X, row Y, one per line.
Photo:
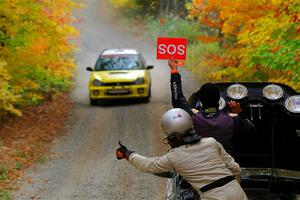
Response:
column 202, row 162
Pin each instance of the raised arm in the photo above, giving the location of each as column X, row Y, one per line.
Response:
column 178, row 99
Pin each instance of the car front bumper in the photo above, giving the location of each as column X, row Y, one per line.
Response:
column 119, row 92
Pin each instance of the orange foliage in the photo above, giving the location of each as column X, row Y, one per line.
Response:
column 258, row 40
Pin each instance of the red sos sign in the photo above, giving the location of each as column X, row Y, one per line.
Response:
column 167, row 48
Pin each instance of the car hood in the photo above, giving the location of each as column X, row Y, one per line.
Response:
column 118, row 75
column 275, row 143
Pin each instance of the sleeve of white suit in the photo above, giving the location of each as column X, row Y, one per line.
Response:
column 151, row 165
column 230, row 162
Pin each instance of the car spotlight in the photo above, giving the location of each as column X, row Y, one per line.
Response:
column 237, row 91
column 292, row 104
column 272, row 92
column 222, row 103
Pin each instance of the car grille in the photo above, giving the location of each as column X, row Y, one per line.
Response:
column 118, row 84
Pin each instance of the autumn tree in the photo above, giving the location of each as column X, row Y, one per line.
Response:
column 259, row 40
column 151, row 7
column 35, row 44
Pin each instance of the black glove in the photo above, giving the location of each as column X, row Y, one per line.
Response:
column 123, row 152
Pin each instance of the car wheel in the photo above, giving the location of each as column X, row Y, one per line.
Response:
column 93, row 102
column 147, row 99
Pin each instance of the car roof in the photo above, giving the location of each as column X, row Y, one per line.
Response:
column 119, row 51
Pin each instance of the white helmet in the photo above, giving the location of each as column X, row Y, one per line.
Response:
column 176, row 121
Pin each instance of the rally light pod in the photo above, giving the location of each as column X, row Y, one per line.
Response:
column 292, row 104
column 273, row 92
column 237, row 91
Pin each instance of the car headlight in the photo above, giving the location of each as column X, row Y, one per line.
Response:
column 237, row 91
column 222, row 103
column 292, row 104
column 273, row 92
column 140, row 81
column 96, row 82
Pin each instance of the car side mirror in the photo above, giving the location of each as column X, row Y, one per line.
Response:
column 149, row 67
column 89, row 69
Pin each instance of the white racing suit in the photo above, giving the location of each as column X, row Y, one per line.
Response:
column 200, row 164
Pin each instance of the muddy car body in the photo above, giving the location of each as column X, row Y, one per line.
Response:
column 269, row 156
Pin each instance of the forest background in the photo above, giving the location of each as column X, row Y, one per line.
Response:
column 229, row 40
column 37, row 42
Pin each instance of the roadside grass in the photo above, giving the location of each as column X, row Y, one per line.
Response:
column 5, row 195
column 42, row 159
column 20, row 154
column 172, row 27
column 3, row 172
column 19, row 165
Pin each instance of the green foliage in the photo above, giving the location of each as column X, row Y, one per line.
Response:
column 3, row 172
column 5, row 195
column 18, row 165
column 42, row 159
column 143, row 8
column 282, row 59
column 196, row 55
column 136, row 6
column 173, row 27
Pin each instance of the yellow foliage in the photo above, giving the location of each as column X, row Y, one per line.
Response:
column 35, row 42
column 7, row 98
column 122, row 4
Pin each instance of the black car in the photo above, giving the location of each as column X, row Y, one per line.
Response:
column 269, row 156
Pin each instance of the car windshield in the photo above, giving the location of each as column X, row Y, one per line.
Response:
column 119, row 62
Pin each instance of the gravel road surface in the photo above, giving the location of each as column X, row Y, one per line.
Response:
column 82, row 164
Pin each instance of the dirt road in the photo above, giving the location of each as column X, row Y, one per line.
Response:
column 83, row 164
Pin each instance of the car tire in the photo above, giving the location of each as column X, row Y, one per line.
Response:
column 93, row 102
column 147, row 99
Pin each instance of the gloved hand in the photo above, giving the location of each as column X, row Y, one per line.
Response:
column 173, row 64
column 234, row 107
column 123, row 152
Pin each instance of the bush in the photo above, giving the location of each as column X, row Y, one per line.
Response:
column 196, row 60
column 172, row 27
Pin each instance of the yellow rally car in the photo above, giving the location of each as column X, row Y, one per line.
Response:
column 119, row 73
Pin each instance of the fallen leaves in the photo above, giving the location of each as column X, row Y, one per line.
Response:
column 26, row 140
